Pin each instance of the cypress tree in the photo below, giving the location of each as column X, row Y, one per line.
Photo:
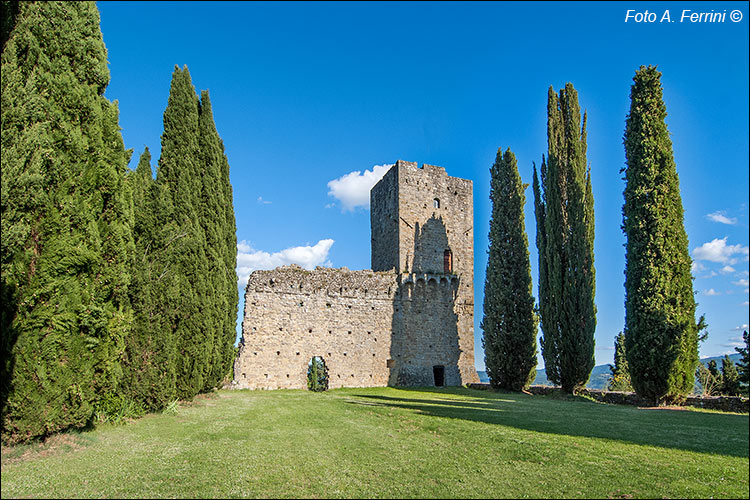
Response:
column 221, row 244
column 193, row 175
column 151, row 349
column 180, row 175
column 509, row 323
column 730, row 384
column 564, row 208
column 660, row 327
column 67, row 246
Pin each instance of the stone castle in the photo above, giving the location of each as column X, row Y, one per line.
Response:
column 407, row 322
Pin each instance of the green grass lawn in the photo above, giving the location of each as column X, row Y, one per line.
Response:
column 387, row 442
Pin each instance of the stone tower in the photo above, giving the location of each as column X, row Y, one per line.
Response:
column 422, row 229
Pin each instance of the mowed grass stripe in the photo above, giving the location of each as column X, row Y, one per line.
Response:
column 386, row 442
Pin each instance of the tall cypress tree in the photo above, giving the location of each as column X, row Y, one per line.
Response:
column 151, row 349
column 66, row 221
column 660, row 327
column 221, row 244
column 180, row 173
column 564, row 208
column 193, row 174
column 509, row 323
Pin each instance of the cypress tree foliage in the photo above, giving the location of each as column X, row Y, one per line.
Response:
column 221, row 244
column 509, row 323
column 201, row 294
column 67, row 246
column 151, row 348
column 620, row 380
column 742, row 365
column 660, row 327
column 730, row 384
column 180, row 173
column 564, row 208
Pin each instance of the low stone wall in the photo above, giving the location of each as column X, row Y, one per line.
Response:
column 723, row 403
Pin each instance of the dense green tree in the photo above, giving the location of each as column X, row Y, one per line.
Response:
column 217, row 218
column 660, row 328
column 742, row 365
column 201, row 292
column 509, row 323
column 620, row 379
column 150, row 375
column 67, row 246
column 564, row 207
column 730, row 379
column 180, row 173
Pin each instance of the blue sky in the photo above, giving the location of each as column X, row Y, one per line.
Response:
column 308, row 93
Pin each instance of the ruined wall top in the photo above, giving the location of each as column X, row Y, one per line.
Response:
column 426, row 170
column 334, row 282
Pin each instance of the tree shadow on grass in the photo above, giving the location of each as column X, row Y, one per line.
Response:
column 724, row 434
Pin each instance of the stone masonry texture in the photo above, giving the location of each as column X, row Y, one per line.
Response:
column 407, row 322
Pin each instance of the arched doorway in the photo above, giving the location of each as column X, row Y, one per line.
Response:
column 317, row 374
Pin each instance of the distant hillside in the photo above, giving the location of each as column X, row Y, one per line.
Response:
column 600, row 374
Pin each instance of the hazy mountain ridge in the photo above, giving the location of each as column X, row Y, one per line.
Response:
column 600, row 374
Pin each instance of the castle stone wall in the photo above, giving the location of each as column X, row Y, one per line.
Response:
column 292, row 314
column 400, row 324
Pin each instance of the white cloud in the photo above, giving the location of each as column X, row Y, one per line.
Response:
column 746, row 303
column 697, row 266
column 711, row 291
column 720, row 217
column 739, row 329
column 250, row 259
column 727, row 269
column 353, row 189
column 717, row 250
column 741, row 282
column 262, row 201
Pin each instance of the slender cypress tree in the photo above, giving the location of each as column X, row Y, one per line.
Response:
column 509, row 323
column 180, row 173
column 660, row 327
column 151, row 349
column 221, row 244
column 202, row 293
column 67, row 246
column 564, row 207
